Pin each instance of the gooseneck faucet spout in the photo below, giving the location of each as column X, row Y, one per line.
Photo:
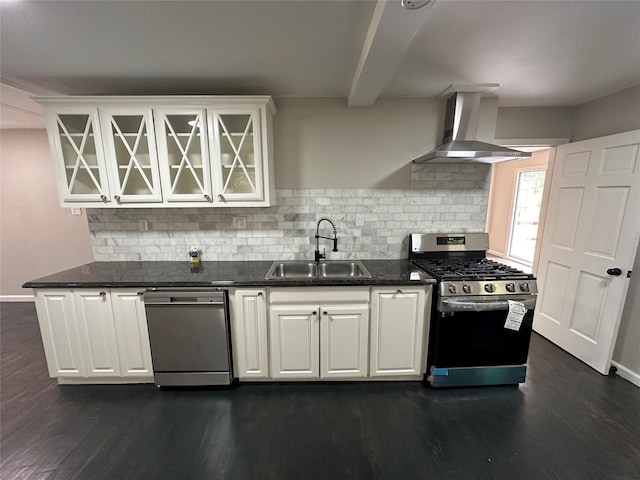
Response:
column 319, row 256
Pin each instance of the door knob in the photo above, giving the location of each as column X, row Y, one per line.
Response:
column 614, row 271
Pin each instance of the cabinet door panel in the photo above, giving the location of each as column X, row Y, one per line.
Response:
column 237, row 156
column 344, row 339
column 295, row 339
column 131, row 154
column 397, row 327
column 76, row 145
column 95, row 321
column 183, row 155
column 132, row 336
column 60, row 334
column 250, row 333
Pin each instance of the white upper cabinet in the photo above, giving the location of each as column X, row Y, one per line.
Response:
column 238, row 154
column 76, row 145
column 151, row 151
column 184, row 157
column 131, row 150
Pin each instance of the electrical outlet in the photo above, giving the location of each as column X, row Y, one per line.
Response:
column 143, row 225
column 359, row 219
column 76, row 211
column 239, row 223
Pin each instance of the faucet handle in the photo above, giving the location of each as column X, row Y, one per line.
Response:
column 335, row 244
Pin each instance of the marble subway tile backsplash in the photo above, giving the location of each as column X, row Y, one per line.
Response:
column 441, row 198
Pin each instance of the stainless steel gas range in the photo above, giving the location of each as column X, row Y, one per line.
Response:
column 481, row 315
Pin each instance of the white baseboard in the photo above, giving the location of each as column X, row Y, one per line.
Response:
column 627, row 374
column 17, row 298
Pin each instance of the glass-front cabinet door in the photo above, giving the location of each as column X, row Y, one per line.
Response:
column 183, row 156
column 237, row 159
column 130, row 147
column 76, row 144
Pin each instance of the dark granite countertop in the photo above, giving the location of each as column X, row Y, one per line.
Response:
column 216, row 274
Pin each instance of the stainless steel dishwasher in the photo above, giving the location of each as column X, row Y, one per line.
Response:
column 189, row 336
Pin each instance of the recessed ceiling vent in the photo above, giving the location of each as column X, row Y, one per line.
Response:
column 459, row 143
column 414, row 4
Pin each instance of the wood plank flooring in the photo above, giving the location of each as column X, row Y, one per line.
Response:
column 566, row 422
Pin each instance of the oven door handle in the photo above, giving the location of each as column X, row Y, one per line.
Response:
column 484, row 305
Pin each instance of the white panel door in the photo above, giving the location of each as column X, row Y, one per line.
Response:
column 97, row 331
column 130, row 321
column 295, row 341
column 60, row 334
column 344, row 341
column 249, row 329
column 397, row 331
column 592, row 228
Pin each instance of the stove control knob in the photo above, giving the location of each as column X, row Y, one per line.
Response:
column 511, row 287
column 524, row 287
column 489, row 288
column 466, row 288
column 452, row 289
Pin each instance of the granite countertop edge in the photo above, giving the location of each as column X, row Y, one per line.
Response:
column 225, row 274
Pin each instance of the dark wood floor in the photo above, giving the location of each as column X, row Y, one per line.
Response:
column 566, row 422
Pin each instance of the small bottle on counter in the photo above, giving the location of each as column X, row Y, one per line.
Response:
column 194, row 256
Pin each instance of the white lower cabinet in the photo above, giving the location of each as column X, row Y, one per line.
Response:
column 94, row 335
column 399, row 329
column 132, row 335
column 60, row 333
column 98, row 334
column 249, row 333
column 319, row 333
column 344, row 341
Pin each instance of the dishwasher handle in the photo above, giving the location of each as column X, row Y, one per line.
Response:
column 185, row 298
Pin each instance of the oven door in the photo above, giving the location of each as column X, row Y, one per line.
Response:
column 470, row 345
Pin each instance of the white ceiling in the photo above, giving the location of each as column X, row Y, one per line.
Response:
column 542, row 53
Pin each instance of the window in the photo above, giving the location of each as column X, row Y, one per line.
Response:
column 526, row 213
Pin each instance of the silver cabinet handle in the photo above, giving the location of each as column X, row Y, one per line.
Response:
column 141, row 292
column 117, row 197
column 103, row 294
column 260, row 294
column 207, row 197
column 221, row 197
column 399, row 292
column 103, row 198
column 325, row 313
column 315, row 313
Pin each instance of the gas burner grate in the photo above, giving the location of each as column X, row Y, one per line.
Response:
column 470, row 269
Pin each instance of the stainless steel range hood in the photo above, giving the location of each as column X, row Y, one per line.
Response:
column 459, row 144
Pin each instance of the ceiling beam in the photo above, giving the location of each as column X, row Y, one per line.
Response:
column 390, row 34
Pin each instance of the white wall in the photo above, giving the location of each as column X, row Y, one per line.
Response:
column 37, row 237
column 322, row 143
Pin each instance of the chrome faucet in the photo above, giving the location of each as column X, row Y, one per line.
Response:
column 318, row 255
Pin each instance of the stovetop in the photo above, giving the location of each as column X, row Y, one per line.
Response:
column 461, row 269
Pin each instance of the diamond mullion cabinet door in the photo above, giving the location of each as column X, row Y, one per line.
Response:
column 183, row 156
column 97, row 332
column 249, row 334
column 60, row 334
column 76, row 143
column 131, row 154
column 344, row 341
column 398, row 331
column 240, row 156
column 294, row 342
column 132, row 335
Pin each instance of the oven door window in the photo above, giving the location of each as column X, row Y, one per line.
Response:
column 470, row 339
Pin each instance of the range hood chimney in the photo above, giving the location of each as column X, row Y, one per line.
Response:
column 460, row 144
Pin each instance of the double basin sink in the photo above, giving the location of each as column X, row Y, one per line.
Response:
column 327, row 269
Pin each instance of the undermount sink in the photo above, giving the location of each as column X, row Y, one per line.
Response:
column 326, row 269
